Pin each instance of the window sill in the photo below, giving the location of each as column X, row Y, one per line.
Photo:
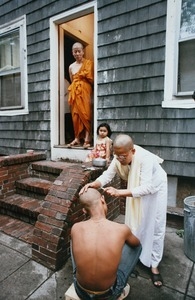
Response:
column 186, row 104
column 14, row 112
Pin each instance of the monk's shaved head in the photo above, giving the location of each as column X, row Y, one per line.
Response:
column 77, row 45
column 90, row 198
column 123, row 141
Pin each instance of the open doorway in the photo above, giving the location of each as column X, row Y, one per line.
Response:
column 79, row 23
column 77, row 30
column 68, row 60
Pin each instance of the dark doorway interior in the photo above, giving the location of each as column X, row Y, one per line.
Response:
column 68, row 59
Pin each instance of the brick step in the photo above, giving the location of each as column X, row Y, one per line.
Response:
column 16, row 228
column 21, row 207
column 33, row 187
column 48, row 169
column 19, row 212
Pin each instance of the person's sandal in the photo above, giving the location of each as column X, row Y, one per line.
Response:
column 73, row 144
column 86, row 144
column 156, row 279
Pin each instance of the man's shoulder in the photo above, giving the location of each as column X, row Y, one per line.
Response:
column 121, row 226
column 120, row 230
column 77, row 225
column 72, row 65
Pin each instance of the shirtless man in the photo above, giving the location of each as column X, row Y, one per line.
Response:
column 104, row 253
column 80, row 93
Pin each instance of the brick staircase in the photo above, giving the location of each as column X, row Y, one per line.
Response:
column 19, row 211
column 39, row 203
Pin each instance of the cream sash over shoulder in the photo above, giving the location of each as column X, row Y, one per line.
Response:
column 131, row 173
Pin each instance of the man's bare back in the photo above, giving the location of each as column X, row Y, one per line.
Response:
column 97, row 247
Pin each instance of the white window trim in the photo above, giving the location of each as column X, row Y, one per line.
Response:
column 19, row 23
column 171, row 98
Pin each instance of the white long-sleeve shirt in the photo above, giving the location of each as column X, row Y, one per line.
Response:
column 152, row 191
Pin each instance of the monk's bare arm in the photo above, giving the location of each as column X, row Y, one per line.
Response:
column 131, row 239
column 70, row 72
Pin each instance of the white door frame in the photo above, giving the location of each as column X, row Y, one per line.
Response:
column 57, row 151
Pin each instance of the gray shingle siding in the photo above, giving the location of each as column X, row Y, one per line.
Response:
column 130, row 77
column 131, row 61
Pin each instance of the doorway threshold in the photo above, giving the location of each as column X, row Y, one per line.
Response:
column 73, row 147
column 59, row 152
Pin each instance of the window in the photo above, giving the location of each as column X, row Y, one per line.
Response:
column 179, row 56
column 13, row 68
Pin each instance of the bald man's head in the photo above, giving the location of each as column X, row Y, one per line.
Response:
column 90, row 198
column 123, row 141
column 77, row 45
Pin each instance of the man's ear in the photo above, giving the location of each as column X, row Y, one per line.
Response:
column 84, row 211
column 133, row 151
column 103, row 199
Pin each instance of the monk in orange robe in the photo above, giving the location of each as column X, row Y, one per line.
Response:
column 80, row 93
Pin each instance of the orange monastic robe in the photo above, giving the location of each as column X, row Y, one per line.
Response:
column 80, row 92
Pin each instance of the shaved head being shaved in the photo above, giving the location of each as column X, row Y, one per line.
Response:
column 90, row 198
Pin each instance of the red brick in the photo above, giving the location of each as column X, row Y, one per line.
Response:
column 53, row 247
column 59, row 208
column 66, row 203
column 49, row 237
column 44, row 259
column 57, row 231
column 39, row 241
column 56, row 223
column 43, row 226
column 43, row 219
column 47, row 252
column 53, row 199
column 3, row 172
column 37, row 232
column 48, row 212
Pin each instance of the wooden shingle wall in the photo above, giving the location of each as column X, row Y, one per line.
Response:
column 131, row 61
column 32, row 131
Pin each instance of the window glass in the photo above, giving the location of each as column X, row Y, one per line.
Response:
column 9, row 49
column 10, row 90
column 186, row 73
column 187, row 28
column 179, row 82
column 10, row 95
column 13, row 68
column 186, row 48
